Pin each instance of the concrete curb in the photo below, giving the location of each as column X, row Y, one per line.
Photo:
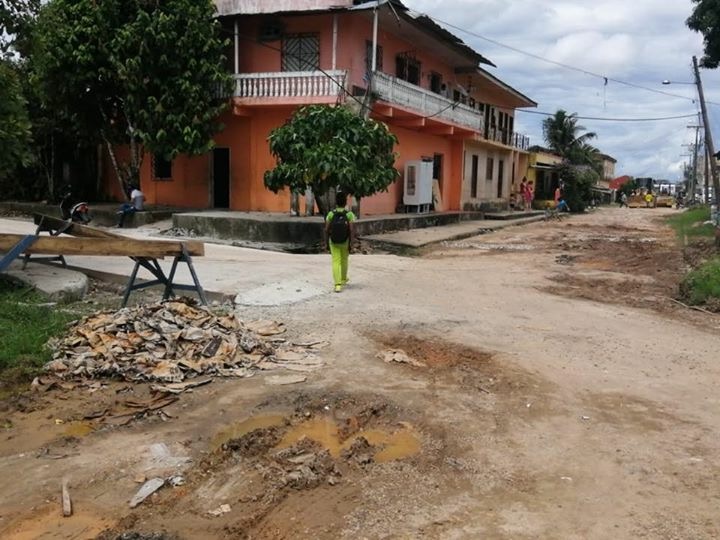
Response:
column 399, row 245
column 58, row 284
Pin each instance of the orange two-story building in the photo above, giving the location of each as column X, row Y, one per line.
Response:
column 426, row 84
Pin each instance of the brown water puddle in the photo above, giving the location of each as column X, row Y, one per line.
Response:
column 399, row 444
column 78, row 429
column 236, row 431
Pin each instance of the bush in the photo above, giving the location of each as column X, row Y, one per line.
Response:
column 577, row 182
column 702, row 285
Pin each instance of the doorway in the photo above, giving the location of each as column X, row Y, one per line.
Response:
column 501, row 178
column 221, row 178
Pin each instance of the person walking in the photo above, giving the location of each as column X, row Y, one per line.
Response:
column 623, row 200
column 339, row 236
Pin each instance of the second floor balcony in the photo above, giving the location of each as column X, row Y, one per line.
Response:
column 290, row 87
column 318, row 87
column 429, row 104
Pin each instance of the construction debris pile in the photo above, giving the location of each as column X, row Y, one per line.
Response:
column 173, row 341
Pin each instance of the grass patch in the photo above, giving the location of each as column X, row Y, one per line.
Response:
column 25, row 327
column 690, row 224
column 702, row 285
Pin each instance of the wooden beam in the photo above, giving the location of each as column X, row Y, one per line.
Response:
column 73, row 229
column 128, row 247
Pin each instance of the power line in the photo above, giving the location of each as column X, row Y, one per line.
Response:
column 600, row 119
column 556, row 63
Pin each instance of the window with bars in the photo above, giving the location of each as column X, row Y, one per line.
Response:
column 407, row 68
column 300, row 52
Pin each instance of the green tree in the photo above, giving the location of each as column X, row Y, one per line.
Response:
column 141, row 73
column 15, row 16
column 14, row 123
column 325, row 148
column 577, row 181
column 564, row 136
column 705, row 19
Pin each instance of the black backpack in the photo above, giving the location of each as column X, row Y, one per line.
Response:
column 339, row 227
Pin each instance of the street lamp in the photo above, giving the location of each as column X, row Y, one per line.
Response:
column 677, row 82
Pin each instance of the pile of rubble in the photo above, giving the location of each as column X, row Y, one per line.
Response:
column 173, row 341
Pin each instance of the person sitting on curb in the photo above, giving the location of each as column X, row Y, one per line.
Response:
column 136, row 204
column 339, row 236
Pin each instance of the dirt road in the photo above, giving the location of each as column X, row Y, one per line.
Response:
column 558, row 393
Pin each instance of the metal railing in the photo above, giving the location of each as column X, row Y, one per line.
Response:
column 290, row 84
column 394, row 90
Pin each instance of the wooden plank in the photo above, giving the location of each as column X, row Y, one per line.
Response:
column 75, row 229
column 129, row 247
column 66, row 502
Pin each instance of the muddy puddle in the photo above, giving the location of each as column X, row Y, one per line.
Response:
column 391, row 442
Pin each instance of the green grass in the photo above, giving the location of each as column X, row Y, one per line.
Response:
column 689, row 224
column 703, row 283
column 25, row 328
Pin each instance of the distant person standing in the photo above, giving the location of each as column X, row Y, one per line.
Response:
column 523, row 189
column 339, row 237
column 623, row 200
column 529, row 195
column 557, row 195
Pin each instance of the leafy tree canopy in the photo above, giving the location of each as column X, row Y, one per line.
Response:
column 326, row 147
column 15, row 16
column 14, row 123
column 705, row 19
column 563, row 134
column 138, row 72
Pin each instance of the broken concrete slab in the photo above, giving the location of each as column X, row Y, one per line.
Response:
column 280, row 293
column 58, row 284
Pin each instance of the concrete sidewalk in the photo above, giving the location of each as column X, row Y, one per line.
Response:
column 417, row 238
column 228, row 271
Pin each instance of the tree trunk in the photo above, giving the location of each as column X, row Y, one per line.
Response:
column 326, row 201
column 118, row 173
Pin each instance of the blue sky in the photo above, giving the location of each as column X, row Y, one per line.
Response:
column 638, row 41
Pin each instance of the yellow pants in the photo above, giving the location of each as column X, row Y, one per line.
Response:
column 340, row 254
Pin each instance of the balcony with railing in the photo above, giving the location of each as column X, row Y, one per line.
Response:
column 508, row 138
column 428, row 104
column 292, row 87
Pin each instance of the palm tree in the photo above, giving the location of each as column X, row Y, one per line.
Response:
column 564, row 136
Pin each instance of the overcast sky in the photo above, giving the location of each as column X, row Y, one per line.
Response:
column 638, row 41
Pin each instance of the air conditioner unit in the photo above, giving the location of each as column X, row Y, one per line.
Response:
column 271, row 31
column 418, row 184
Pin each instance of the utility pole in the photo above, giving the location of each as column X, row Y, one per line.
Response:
column 708, row 157
column 708, row 134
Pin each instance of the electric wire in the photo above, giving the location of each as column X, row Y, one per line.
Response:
column 554, row 62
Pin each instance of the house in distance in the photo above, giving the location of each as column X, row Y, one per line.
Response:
column 436, row 94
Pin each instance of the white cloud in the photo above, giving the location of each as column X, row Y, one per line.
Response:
column 639, row 41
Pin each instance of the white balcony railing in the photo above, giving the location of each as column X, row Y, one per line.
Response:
column 394, row 90
column 290, row 84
